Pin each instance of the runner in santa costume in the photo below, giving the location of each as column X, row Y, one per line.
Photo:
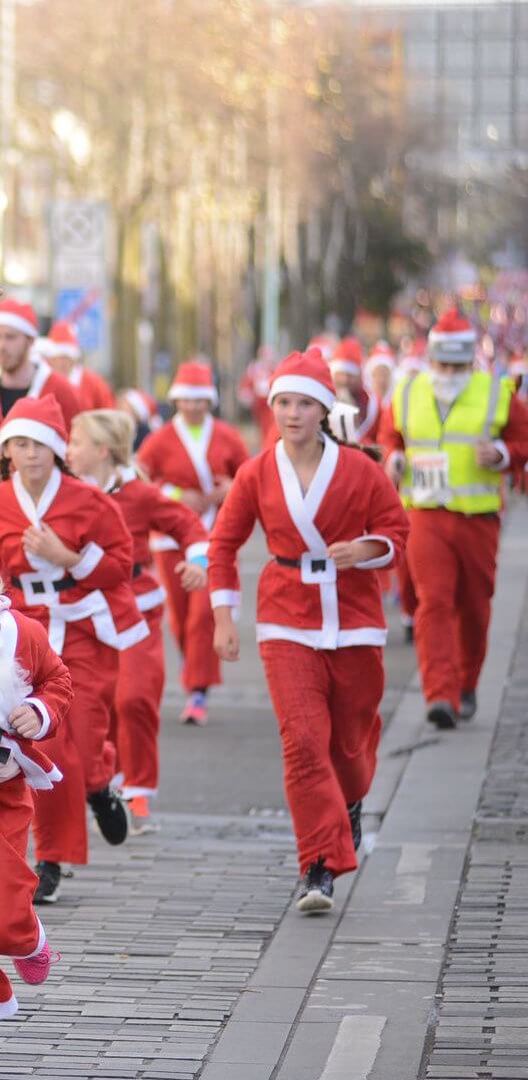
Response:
column 142, row 409
column 101, row 448
column 347, row 373
column 450, row 434
column 35, row 695
column 253, row 389
column 67, row 555
column 194, row 457
column 331, row 519
column 23, row 373
column 379, row 372
column 62, row 349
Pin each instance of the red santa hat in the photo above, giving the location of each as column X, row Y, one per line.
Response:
column 326, row 342
column 62, row 340
column 193, row 382
column 348, row 356
column 40, row 419
column 143, row 405
column 381, row 355
column 452, row 339
column 18, row 316
column 304, row 373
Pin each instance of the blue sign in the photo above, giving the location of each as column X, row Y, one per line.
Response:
column 85, row 309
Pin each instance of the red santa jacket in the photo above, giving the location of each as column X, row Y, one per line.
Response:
column 367, row 419
column 349, row 498
column 47, row 381
column 31, row 673
column 92, row 391
column 173, row 458
column 97, row 590
column 145, row 508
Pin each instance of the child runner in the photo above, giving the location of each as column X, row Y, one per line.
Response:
column 67, row 555
column 330, row 519
column 101, row 449
column 195, row 457
column 35, row 694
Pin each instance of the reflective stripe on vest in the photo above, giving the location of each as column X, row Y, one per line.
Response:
column 473, row 490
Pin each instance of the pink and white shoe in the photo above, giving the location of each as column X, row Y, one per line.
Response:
column 195, row 710
column 8, row 1001
column 35, row 969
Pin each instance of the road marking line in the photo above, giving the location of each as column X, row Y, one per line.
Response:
column 355, row 1048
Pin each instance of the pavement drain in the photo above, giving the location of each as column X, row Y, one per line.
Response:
column 479, row 1030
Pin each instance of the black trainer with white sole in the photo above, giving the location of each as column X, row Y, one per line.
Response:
column 48, row 888
column 354, row 813
column 317, row 889
column 442, row 714
column 110, row 814
column 468, row 705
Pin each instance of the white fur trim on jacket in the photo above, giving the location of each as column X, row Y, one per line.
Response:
column 91, row 556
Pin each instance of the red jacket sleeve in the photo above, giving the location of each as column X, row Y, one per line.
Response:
column 176, row 520
column 147, row 456
column 52, row 691
column 106, row 557
column 388, row 437
column 515, row 434
column 239, row 452
column 387, row 518
column 232, row 528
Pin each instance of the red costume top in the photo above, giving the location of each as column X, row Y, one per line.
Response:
column 253, row 390
column 173, row 457
column 30, row 674
column 47, row 381
column 145, row 508
column 97, row 590
column 349, row 498
column 92, row 391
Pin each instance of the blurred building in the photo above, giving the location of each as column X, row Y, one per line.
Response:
column 466, row 77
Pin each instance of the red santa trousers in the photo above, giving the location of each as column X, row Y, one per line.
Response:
column 326, row 703
column 137, row 709
column 408, row 598
column 192, row 623
column 452, row 559
column 81, row 749
column 20, row 930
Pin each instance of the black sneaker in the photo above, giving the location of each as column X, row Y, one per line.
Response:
column 354, row 813
column 110, row 815
column 48, row 888
column 468, row 705
column 442, row 714
column 317, row 889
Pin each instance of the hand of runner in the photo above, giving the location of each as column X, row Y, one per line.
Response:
column 226, row 639
column 45, row 543
column 25, row 721
column 191, row 576
column 487, row 454
column 347, row 553
column 195, row 500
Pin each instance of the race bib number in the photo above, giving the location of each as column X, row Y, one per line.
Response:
column 430, row 478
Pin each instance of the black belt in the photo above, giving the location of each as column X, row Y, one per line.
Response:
column 315, row 564
column 137, row 569
column 41, row 587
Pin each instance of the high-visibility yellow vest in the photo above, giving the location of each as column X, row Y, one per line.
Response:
column 447, row 449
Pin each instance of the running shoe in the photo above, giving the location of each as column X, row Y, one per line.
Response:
column 354, row 813
column 442, row 714
column 317, row 889
column 35, row 969
column 468, row 705
column 195, row 709
column 48, row 888
column 110, row 814
column 141, row 821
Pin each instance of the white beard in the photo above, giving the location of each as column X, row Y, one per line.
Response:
column 14, row 688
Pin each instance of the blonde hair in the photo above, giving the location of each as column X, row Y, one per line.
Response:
column 111, row 428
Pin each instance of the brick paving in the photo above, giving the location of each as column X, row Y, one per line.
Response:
column 157, row 939
column 480, row 1028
